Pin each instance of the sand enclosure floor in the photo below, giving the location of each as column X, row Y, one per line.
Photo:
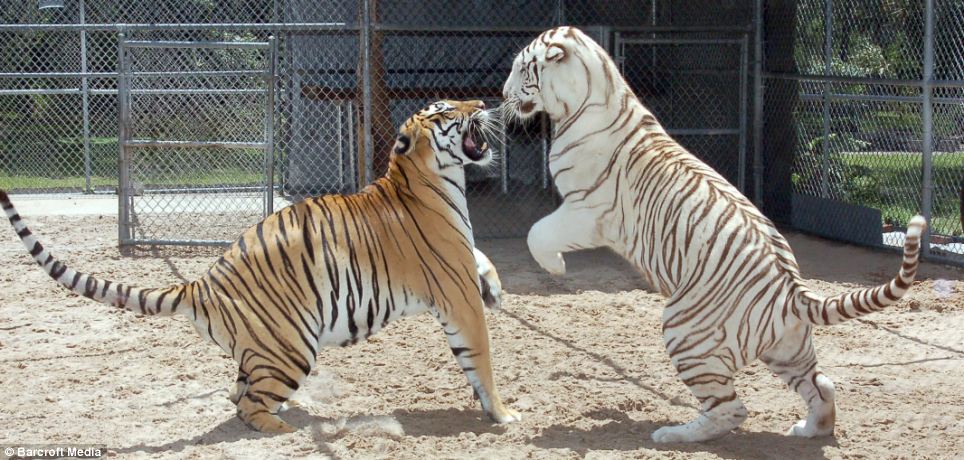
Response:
column 580, row 356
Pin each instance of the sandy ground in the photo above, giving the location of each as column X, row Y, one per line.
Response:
column 580, row 356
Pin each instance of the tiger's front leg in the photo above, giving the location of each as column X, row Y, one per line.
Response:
column 469, row 339
column 489, row 281
column 564, row 230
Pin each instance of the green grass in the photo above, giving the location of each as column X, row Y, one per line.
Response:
column 891, row 182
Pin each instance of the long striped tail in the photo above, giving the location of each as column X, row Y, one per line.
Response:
column 837, row 309
column 140, row 300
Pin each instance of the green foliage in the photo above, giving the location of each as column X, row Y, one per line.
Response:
column 891, row 182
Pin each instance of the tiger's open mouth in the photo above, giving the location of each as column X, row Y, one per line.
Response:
column 470, row 146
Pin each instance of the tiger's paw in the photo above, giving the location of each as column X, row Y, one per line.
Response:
column 698, row 430
column 289, row 404
column 552, row 263
column 808, row 430
column 506, row 416
column 489, row 281
column 268, row 423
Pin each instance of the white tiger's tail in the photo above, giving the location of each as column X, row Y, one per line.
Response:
column 837, row 309
column 139, row 300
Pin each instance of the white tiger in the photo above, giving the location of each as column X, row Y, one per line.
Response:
column 735, row 292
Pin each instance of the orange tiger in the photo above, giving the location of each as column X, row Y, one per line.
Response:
column 334, row 270
column 734, row 288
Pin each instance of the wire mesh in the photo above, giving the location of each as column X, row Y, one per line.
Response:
column 844, row 99
column 195, row 138
column 697, row 89
column 858, row 102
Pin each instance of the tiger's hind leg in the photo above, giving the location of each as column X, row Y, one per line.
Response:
column 265, row 396
column 240, row 386
column 794, row 360
column 721, row 410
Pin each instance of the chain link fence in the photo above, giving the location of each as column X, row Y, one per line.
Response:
column 864, row 103
column 838, row 117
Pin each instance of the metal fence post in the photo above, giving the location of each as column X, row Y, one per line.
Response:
column 744, row 68
column 123, row 160
column 85, row 101
column 927, row 118
column 827, row 88
column 758, row 103
column 366, row 37
column 272, row 52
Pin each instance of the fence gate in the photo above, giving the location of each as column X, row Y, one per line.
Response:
column 196, row 139
column 697, row 88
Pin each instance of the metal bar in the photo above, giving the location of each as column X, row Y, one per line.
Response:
column 26, row 75
column 947, row 83
column 531, row 29
column 544, row 166
column 28, row 92
column 250, row 189
column 744, row 58
column 85, row 102
column 703, row 132
column 123, row 161
column 828, row 69
column 758, row 103
column 947, row 100
column 367, row 87
column 205, row 73
column 172, row 44
column 146, row 27
column 269, row 127
column 352, row 154
column 143, row 143
column 102, row 92
column 342, row 157
column 198, row 90
column 860, row 97
column 839, row 79
column 927, row 147
column 682, row 41
column 132, row 241
column 504, row 163
column 954, row 259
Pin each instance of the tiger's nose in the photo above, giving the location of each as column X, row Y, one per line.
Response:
column 480, row 105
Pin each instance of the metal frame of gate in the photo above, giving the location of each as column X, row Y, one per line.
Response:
column 741, row 130
column 128, row 145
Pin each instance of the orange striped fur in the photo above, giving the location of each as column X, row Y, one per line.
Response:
column 335, row 269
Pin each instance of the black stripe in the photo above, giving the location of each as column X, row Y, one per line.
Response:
column 76, row 280
column 37, row 249
column 58, row 270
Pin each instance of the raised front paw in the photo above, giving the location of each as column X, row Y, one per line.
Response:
column 551, row 262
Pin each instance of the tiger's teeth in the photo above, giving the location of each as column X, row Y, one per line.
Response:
column 485, row 146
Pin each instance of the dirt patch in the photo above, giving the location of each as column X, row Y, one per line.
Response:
column 580, row 356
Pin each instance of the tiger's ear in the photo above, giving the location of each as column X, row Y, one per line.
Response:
column 556, row 53
column 407, row 134
column 402, row 144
